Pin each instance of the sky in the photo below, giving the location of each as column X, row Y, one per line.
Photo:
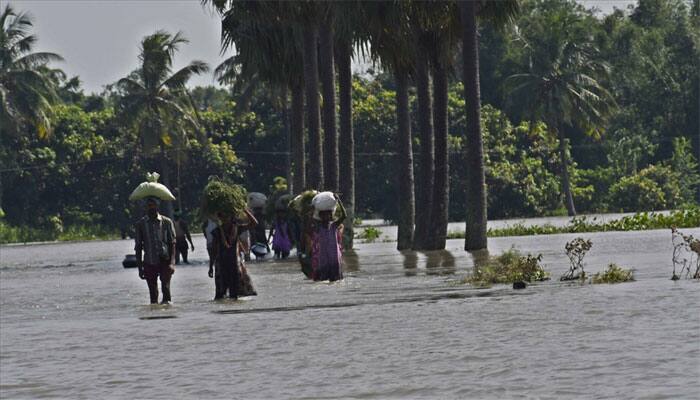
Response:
column 99, row 39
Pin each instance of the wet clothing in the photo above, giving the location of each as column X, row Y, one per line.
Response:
column 281, row 242
column 326, row 253
column 153, row 272
column 155, row 237
column 227, row 272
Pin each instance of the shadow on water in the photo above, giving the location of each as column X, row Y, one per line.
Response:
column 465, row 294
column 146, row 318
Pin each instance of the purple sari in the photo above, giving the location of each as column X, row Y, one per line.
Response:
column 281, row 241
column 326, row 253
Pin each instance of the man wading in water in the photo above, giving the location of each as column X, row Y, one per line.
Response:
column 155, row 241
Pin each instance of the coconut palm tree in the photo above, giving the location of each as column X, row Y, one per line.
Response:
column 268, row 50
column 563, row 89
column 27, row 92
column 391, row 45
column 154, row 99
column 327, row 76
column 499, row 12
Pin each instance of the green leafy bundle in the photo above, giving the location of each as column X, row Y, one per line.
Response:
column 223, row 197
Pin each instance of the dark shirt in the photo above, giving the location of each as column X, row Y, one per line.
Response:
column 154, row 236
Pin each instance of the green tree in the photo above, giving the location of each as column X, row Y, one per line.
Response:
column 561, row 83
column 154, row 100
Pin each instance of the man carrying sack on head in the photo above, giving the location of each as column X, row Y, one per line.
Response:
column 155, row 241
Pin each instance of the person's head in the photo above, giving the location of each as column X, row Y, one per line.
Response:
column 325, row 216
column 257, row 211
column 177, row 215
column 152, row 207
column 225, row 218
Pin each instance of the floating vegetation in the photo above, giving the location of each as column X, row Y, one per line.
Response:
column 687, row 218
column 613, row 274
column 509, row 267
column 686, row 255
column 576, row 250
column 369, row 234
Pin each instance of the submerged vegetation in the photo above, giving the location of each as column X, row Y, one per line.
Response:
column 686, row 255
column 509, row 267
column 576, row 250
column 613, row 274
column 369, row 234
column 686, row 218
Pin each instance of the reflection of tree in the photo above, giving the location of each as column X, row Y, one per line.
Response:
column 351, row 262
column 439, row 262
column 410, row 262
column 481, row 258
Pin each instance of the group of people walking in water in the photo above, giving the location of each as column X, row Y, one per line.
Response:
column 311, row 222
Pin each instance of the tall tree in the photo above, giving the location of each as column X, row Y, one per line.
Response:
column 562, row 86
column 27, row 91
column 315, row 177
column 327, row 75
column 390, row 43
column 154, row 99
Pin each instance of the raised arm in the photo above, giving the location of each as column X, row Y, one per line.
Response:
column 252, row 222
column 343, row 213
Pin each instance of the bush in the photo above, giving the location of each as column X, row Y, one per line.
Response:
column 509, row 267
column 369, row 234
column 636, row 192
column 614, row 274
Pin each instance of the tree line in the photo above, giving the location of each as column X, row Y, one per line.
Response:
column 581, row 112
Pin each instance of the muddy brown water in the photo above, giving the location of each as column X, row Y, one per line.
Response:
column 74, row 324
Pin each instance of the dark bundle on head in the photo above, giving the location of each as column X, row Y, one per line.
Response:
column 302, row 203
column 220, row 197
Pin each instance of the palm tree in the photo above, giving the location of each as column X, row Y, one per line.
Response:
column 269, row 49
column 327, row 75
column 27, row 92
column 310, row 22
column 154, row 99
column 500, row 12
column 391, row 44
column 563, row 90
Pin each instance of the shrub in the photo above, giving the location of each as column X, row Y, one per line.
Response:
column 369, row 234
column 613, row 274
column 576, row 250
column 509, row 267
column 636, row 192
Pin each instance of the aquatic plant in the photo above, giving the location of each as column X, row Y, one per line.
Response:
column 576, row 250
column 613, row 274
column 686, row 255
column 509, row 267
column 369, row 234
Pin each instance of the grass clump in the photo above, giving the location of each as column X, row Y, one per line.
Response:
column 613, row 274
column 223, row 197
column 509, row 267
column 369, row 234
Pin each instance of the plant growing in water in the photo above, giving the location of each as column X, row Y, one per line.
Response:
column 614, row 274
column 509, row 267
column 686, row 255
column 576, row 250
column 369, row 234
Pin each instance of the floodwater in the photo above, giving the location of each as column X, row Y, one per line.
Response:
column 75, row 324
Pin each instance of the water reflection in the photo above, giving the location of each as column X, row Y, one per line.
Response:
column 439, row 262
column 410, row 262
column 351, row 261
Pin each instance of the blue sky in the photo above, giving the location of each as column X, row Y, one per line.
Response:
column 99, row 38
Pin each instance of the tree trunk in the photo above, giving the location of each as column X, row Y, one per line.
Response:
column 166, row 207
column 289, row 175
column 347, row 139
column 315, row 172
column 441, row 184
column 330, row 134
column 424, row 194
column 298, row 145
column 474, row 147
column 565, row 183
column 406, row 199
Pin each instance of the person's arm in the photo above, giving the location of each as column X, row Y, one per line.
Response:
column 272, row 232
column 214, row 253
column 186, row 228
column 138, row 249
column 343, row 213
column 252, row 221
column 171, row 234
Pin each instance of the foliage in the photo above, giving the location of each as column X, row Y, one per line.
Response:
column 637, row 192
column 576, row 250
column 220, row 197
column 509, row 267
column 369, row 234
column 686, row 255
column 613, row 274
